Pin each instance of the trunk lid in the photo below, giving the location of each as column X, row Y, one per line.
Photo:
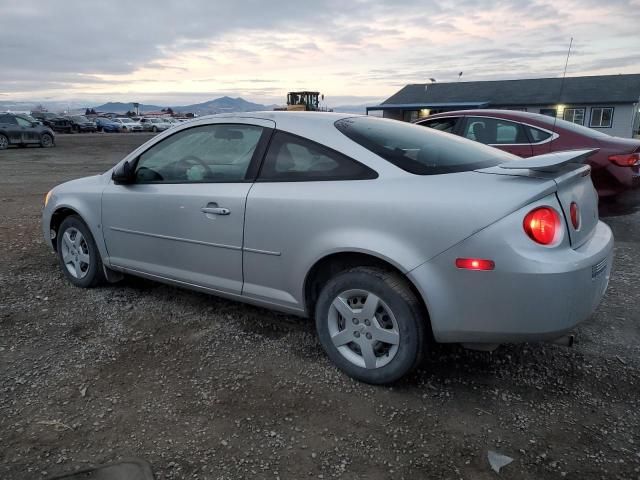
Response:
column 573, row 182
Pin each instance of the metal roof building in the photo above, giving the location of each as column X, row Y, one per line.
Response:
column 608, row 102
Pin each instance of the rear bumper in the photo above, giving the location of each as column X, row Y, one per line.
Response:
column 534, row 293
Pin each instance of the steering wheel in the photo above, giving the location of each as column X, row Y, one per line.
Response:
column 191, row 160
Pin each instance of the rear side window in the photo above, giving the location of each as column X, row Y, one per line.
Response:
column 538, row 135
column 419, row 150
column 442, row 124
column 292, row 158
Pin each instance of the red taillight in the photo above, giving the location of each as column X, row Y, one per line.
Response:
column 625, row 159
column 541, row 225
column 575, row 215
column 475, row 264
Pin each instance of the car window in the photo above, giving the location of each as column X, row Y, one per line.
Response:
column 493, row 131
column 209, row 153
column 537, row 135
column 22, row 122
column 8, row 119
column 442, row 124
column 293, row 158
column 419, row 150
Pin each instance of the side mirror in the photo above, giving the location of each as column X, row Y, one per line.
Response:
column 123, row 174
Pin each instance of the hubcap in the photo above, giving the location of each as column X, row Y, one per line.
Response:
column 46, row 140
column 75, row 253
column 363, row 329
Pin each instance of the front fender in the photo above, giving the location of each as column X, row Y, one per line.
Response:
column 84, row 198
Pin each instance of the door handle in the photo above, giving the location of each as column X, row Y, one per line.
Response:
column 215, row 210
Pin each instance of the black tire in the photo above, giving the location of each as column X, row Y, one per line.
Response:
column 93, row 274
column 154, row 130
column 46, row 140
column 4, row 142
column 394, row 291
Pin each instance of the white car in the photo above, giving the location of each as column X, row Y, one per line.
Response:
column 128, row 125
column 155, row 124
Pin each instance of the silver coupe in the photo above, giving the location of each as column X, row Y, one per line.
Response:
column 390, row 235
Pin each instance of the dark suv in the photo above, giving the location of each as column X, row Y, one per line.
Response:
column 18, row 130
column 55, row 122
column 80, row 123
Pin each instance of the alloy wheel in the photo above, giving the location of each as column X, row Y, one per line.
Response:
column 363, row 329
column 75, row 253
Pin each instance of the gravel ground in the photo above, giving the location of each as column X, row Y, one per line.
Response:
column 207, row 388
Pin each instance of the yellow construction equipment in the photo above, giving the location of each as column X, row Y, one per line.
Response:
column 304, row 102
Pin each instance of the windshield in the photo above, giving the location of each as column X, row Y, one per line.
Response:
column 419, row 150
column 125, row 120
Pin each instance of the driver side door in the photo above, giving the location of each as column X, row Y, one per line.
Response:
column 182, row 218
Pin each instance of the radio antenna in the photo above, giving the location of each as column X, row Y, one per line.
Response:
column 564, row 74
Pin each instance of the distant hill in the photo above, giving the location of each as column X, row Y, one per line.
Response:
column 219, row 105
column 119, row 107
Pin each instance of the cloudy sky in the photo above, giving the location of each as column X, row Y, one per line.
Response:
column 354, row 51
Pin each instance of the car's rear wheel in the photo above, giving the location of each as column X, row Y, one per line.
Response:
column 154, row 130
column 4, row 142
column 371, row 325
column 77, row 253
column 46, row 140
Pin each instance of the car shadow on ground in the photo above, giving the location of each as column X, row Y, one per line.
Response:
column 627, row 203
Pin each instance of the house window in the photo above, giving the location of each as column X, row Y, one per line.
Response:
column 601, row 117
column 574, row 115
column 410, row 115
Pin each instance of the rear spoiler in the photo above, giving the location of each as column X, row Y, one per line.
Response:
column 550, row 162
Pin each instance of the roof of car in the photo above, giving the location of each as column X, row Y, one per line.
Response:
column 532, row 91
column 284, row 118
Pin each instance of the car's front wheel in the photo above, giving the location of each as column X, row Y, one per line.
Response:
column 371, row 325
column 4, row 142
column 77, row 253
column 46, row 140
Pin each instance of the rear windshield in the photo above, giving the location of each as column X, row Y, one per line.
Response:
column 419, row 150
column 572, row 127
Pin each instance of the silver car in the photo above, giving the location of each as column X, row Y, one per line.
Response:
column 128, row 125
column 155, row 124
column 390, row 235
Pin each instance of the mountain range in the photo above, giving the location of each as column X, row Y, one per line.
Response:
column 219, row 105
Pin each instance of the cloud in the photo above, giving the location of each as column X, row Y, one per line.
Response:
column 361, row 48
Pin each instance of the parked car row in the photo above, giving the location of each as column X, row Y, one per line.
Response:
column 615, row 167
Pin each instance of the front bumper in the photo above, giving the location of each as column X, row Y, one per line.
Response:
column 535, row 293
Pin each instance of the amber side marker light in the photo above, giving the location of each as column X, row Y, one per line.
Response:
column 475, row 264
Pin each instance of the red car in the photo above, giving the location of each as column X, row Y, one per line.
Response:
column 615, row 167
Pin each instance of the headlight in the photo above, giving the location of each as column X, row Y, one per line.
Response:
column 46, row 197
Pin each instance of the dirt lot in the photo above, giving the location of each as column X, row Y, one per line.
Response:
column 207, row 388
